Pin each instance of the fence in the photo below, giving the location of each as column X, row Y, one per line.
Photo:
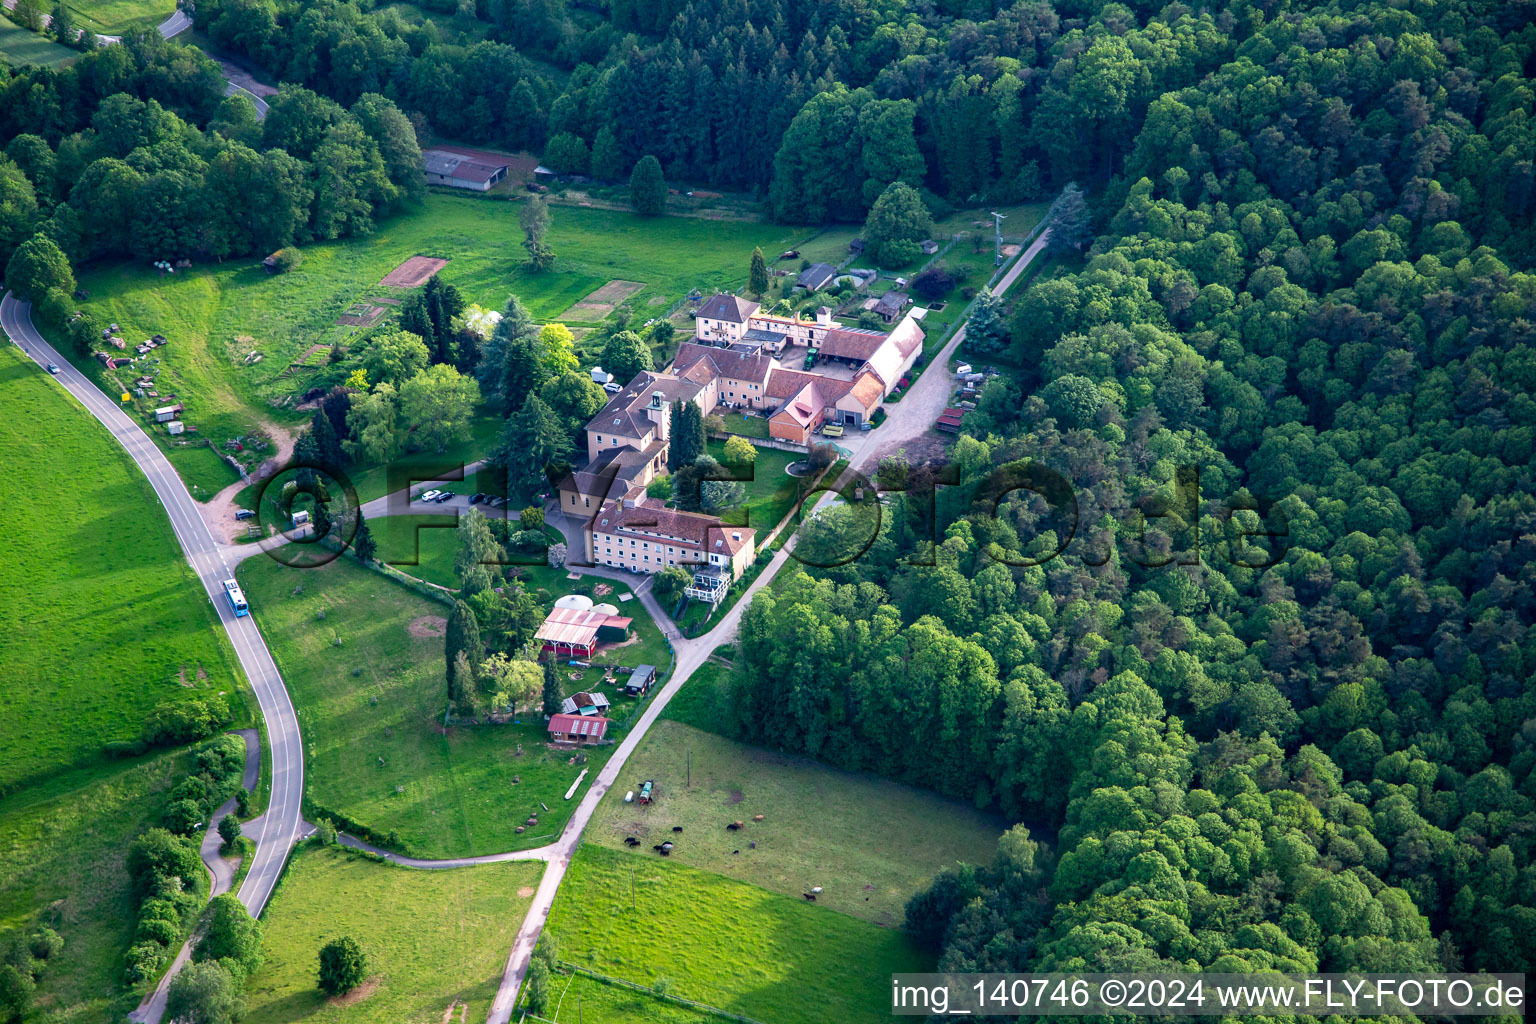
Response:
column 664, row 996
column 763, row 442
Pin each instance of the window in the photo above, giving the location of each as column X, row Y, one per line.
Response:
column 589, row 502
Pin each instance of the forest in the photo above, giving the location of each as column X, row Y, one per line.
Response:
column 1307, row 276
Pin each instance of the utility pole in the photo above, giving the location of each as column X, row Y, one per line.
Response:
column 997, row 228
column 689, row 782
column 631, row 887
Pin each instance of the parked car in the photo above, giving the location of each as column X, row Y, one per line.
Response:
column 477, row 498
column 613, row 387
column 244, row 514
column 53, row 368
column 428, row 495
column 443, row 496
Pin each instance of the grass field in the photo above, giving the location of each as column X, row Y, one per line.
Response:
column 116, row 17
column 61, row 863
column 433, row 939
column 868, row 842
column 576, row 998
column 725, row 943
column 215, row 316
column 371, row 711
column 100, row 617
column 18, row 46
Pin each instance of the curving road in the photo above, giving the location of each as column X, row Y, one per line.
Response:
column 280, row 826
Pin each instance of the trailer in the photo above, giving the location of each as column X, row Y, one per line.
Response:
column 645, row 791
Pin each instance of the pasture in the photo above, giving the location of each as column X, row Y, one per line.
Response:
column 724, row 942
column 116, row 17
column 100, row 616
column 576, row 998
column 434, row 939
column 18, row 46
column 868, row 842
column 363, row 659
column 217, row 316
column 61, row 863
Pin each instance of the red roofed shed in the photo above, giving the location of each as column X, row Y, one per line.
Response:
column 577, row 728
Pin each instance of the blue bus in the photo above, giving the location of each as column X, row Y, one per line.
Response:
column 236, row 598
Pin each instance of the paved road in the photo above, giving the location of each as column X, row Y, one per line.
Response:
column 280, row 827
column 913, row 416
column 174, row 25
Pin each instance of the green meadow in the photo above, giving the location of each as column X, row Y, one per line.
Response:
column 436, row 941
column 100, row 619
column 724, row 942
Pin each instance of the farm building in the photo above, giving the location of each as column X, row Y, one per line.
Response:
column 575, row 626
column 640, row 680
column 457, row 170
column 565, row 728
column 584, row 704
column 890, row 305
column 816, row 276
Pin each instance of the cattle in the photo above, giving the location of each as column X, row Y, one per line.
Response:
column 733, row 826
column 657, row 847
column 677, row 828
column 810, row 896
column 816, row 890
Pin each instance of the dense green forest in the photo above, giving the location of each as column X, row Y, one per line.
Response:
column 133, row 151
column 1303, row 269
column 1311, row 281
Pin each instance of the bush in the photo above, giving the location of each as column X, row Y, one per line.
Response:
column 286, row 259
column 118, row 749
column 45, row 943
column 143, row 961
column 229, row 831
column 538, row 986
column 162, row 909
column 159, row 931
column 16, row 988
column 934, row 282
column 158, row 856
column 232, row 934
column 343, row 966
column 183, row 817
column 186, row 720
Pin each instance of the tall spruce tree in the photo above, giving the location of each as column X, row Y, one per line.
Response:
column 463, row 637
column 552, row 692
column 757, row 276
